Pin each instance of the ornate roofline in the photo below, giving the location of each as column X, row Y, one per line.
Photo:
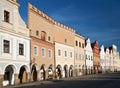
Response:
column 51, row 20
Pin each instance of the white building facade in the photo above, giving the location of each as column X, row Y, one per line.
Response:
column 102, row 58
column 14, row 46
column 107, row 59
column 88, row 56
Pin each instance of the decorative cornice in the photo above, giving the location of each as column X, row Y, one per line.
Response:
column 14, row 2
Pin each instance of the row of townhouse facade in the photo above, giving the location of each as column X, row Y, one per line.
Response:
column 46, row 49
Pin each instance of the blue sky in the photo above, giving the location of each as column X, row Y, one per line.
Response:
column 97, row 19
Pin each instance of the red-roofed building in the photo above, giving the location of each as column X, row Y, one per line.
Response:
column 96, row 55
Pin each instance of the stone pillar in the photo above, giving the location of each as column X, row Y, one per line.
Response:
column 28, row 77
column 38, row 75
column 46, row 74
column 1, row 80
column 17, row 80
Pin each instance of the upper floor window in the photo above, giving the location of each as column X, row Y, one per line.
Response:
column 49, row 38
column 86, row 57
column 76, row 43
column 65, row 53
column 43, row 52
column 35, row 50
column 21, row 49
column 70, row 54
column 50, row 53
column 65, row 40
column 6, row 16
column 82, row 45
column 59, row 52
column 6, row 45
column 80, row 56
column 76, row 56
column 91, row 58
column 79, row 44
column 43, row 35
column 37, row 33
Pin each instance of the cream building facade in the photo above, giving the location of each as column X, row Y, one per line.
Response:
column 79, row 55
column 15, row 45
column 64, row 49
column 42, row 45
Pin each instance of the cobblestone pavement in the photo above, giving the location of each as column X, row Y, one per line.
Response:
column 109, row 80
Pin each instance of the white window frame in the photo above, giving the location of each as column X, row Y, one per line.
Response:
column 23, row 49
column 35, row 51
column 76, row 56
column 59, row 53
column 10, row 48
column 50, row 54
column 65, row 54
column 43, row 52
column 71, row 54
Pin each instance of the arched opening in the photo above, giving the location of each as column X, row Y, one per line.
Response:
column 9, row 75
column 34, row 73
column 66, row 70
column 71, row 71
column 51, row 72
column 58, row 71
column 43, row 72
column 23, row 76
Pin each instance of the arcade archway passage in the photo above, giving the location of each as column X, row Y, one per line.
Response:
column 109, row 80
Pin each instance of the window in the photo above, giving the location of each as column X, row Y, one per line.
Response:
column 65, row 53
column 50, row 53
column 76, row 56
column 37, row 33
column 21, row 49
column 76, row 42
column 49, row 38
column 43, row 35
column 79, row 44
column 80, row 56
column 70, row 54
column 65, row 40
column 6, row 16
column 35, row 50
column 91, row 58
column 43, row 52
column 83, row 57
column 82, row 45
column 6, row 45
column 59, row 52
column 86, row 57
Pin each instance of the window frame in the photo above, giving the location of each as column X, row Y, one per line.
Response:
column 49, row 53
column 22, row 49
column 4, row 51
column 36, row 51
column 6, row 16
column 59, row 52
column 43, row 52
